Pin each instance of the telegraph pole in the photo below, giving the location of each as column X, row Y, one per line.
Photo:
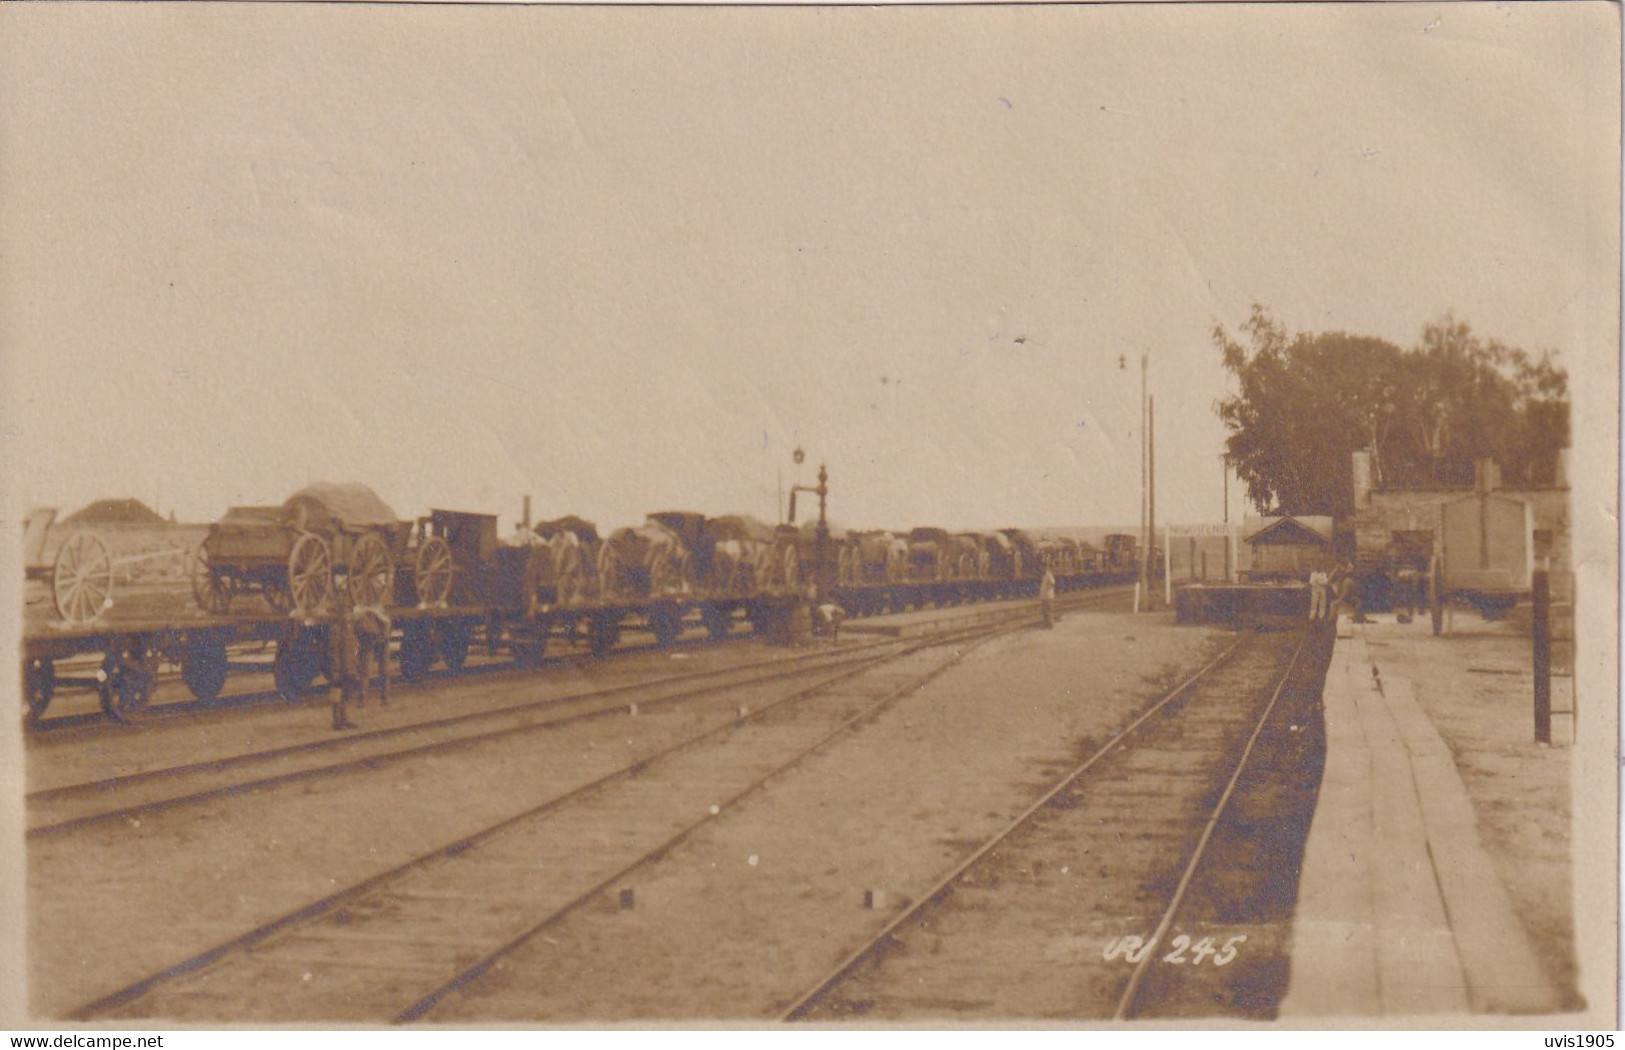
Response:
column 1151, row 484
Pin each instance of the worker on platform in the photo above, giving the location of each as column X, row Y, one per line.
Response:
column 1046, row 598
column 1318, row 580
column 1347, row 599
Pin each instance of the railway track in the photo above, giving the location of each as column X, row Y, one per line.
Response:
column 67, row 808
column 409, row 935
column 1132, row 887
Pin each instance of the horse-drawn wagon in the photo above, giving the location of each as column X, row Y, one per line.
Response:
column 326, row 536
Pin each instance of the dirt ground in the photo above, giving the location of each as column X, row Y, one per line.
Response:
column 204, row 873
column 1477, row 687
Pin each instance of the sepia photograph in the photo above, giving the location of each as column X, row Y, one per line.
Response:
column 811, row 517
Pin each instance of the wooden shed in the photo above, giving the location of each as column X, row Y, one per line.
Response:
column 1289, row 547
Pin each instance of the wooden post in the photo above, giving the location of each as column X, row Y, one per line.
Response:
column 1541, row 629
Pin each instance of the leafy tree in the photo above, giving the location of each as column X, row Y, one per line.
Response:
column 1307, row 401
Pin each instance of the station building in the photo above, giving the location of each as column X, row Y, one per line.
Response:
column 1395, row 527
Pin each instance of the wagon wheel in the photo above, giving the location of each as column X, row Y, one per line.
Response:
column 453, row 638
column 417, row 650
column 720, row 577
column 82, row 579
column 211, row 589
column 433, row 571
column 669, row 573
column 39, row 685
column 203, row 668
column 126, row 689
column 609, row 572
column 569, row 575
column 1436, row 595
column 310, row 573
column 371, row 574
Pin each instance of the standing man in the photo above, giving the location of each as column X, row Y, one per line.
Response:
column 1317, row 593
column 1046, row 597
column 343, row 661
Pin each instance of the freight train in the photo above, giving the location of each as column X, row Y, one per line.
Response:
column 450, row 580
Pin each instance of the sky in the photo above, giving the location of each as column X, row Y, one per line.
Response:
column 628, row 260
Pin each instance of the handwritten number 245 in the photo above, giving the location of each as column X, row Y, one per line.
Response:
column 1132, row 948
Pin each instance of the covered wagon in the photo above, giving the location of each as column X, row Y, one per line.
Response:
column 324, row 537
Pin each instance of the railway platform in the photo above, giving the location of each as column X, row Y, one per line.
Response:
column 1403, row 909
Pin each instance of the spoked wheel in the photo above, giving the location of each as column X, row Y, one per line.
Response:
column 432, row 572
column 453, row 636
column 210, row 589
column 203, row 668
column 609, row 572
column 310, row 573
column 82, row 579
column 417, row 651
column 371, row 574
column 39, row 685
column 569, row 575
column 668, row 573
column 127, row 680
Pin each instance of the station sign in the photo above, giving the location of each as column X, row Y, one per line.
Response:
column 1200, row 529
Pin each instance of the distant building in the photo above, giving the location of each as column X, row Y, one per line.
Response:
column 1287, row 547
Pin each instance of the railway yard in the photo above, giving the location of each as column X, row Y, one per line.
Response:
column 683, row 802
column 871, row 827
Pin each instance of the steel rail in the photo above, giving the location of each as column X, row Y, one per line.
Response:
column 1125, row 1003
column 323, row 905
column 778, row 669
column 428, row 1002
column 944, row 885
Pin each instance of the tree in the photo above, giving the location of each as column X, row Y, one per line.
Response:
column 1307, row 401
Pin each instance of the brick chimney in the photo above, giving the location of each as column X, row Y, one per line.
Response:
column 1362, row 478
column 1486, row 474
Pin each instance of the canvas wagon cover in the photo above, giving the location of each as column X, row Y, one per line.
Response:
column 739, row 527
column 350, row 503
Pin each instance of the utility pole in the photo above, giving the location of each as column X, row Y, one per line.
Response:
column 1145, row 535
column 1151, row 485
column 1224, row 460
